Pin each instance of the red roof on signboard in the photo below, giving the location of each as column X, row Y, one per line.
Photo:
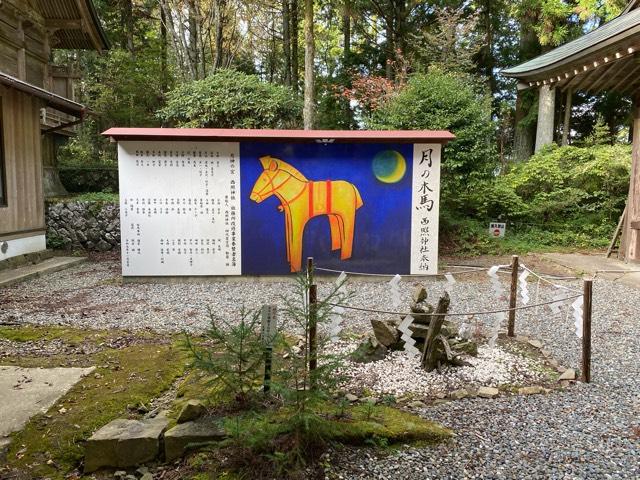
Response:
column 321, row 136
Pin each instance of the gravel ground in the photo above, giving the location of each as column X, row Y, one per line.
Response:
column 588, row 431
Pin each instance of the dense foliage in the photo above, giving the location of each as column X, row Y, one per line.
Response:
column 444, row 101
column 376, row 64
column 231, row 99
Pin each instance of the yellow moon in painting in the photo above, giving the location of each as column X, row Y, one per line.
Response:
column 389, row 166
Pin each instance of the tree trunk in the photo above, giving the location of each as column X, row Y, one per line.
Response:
column 429, row 352
column 286, row 42
column 308, row 112
column 525, row 130
column 126, row 23
column 163, row 50
column 219, row 33
column 346, row 32
column 294, row 44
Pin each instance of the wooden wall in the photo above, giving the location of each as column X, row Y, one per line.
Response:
column 23, row 163
column 24, row 47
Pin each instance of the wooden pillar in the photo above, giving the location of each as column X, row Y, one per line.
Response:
column 566, row 125
column 631, row 234
column 546, row 111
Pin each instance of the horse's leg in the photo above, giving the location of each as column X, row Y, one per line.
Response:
column 297, row 231
column 347, row 220
column 287, row 232
column 336, row 231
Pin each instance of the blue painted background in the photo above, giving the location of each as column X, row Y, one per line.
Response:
column 382, row 238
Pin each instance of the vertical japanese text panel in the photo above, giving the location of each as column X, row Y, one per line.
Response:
column 425, row 207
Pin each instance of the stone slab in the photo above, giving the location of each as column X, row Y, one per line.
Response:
column 183, row 434
column 590, row 264
column 20, row 274
column 25, row 392
column 124, row 443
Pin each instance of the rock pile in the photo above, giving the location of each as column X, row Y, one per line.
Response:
column 448, row 343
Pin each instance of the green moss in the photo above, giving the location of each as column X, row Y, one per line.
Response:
column 390, row 424
column 28, row 333
column 132, row 375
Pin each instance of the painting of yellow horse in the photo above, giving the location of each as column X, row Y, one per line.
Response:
column 302, row 199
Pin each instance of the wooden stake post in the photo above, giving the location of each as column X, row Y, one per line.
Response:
column 269, row 331
column 586, row 330
column 313, row 320
column 513, row 297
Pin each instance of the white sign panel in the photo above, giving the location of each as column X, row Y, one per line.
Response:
column 425, row 206
column 179, row 208
column 497, row 229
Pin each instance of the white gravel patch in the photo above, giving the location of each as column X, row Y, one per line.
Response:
column 399, row 374
column 588, row 431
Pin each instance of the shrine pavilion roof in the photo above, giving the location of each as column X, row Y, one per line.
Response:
column 318, row 136
column 605, row 58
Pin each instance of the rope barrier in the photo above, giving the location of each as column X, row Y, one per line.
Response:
column 547, row 281
column 455, row 314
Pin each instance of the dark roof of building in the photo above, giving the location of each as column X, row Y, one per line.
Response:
column 76, row 24
column 618, row 29
column 322, row 136
column 51, row 99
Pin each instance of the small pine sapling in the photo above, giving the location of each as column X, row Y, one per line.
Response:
column 231, row 354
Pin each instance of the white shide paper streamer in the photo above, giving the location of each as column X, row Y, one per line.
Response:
column 577, row 315
column 394, row 291
column 335, row 318
column 524, row 287
column 499, row 292
column 409, row 342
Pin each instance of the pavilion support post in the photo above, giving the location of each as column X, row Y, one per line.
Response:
column 546, row 112
column 566, row 125
column 631, row 235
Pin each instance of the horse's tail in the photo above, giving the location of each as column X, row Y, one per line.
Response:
column 359, row 202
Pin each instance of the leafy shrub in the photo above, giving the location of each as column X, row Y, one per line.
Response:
column 231, row 99
column 446, row 101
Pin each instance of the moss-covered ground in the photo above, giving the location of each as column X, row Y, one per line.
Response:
column 130, row 371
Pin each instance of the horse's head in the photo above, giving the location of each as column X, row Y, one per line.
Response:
column 264, row 187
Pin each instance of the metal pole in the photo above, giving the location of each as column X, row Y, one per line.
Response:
column 513, row 297
column 586, row 330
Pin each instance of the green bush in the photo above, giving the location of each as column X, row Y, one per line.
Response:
column 570, row 182
column 446, row 101
column 231, row 99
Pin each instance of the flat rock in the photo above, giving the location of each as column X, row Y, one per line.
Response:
column 488, row 392
column 459, row 394
column 385, row 333
column 179, row 437
column 419, row 294
column 192, row 410
column 28, row 391
column 522, row 338
column 533, row 390
column 351, row 397
column 124, row 443
column 568, row 374
column 370, row 350
column 535, row 343
column 417, row 404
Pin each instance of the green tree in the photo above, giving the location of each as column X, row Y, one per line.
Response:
column 231, row 99
column 445, row 101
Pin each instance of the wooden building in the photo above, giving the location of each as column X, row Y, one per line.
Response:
column 34, row 105
column 608, row 58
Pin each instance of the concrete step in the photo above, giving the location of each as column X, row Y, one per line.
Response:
column 55, row 264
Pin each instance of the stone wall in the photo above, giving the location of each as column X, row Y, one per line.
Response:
column 82, row 224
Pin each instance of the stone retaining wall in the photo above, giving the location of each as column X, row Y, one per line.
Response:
column 83, row 224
